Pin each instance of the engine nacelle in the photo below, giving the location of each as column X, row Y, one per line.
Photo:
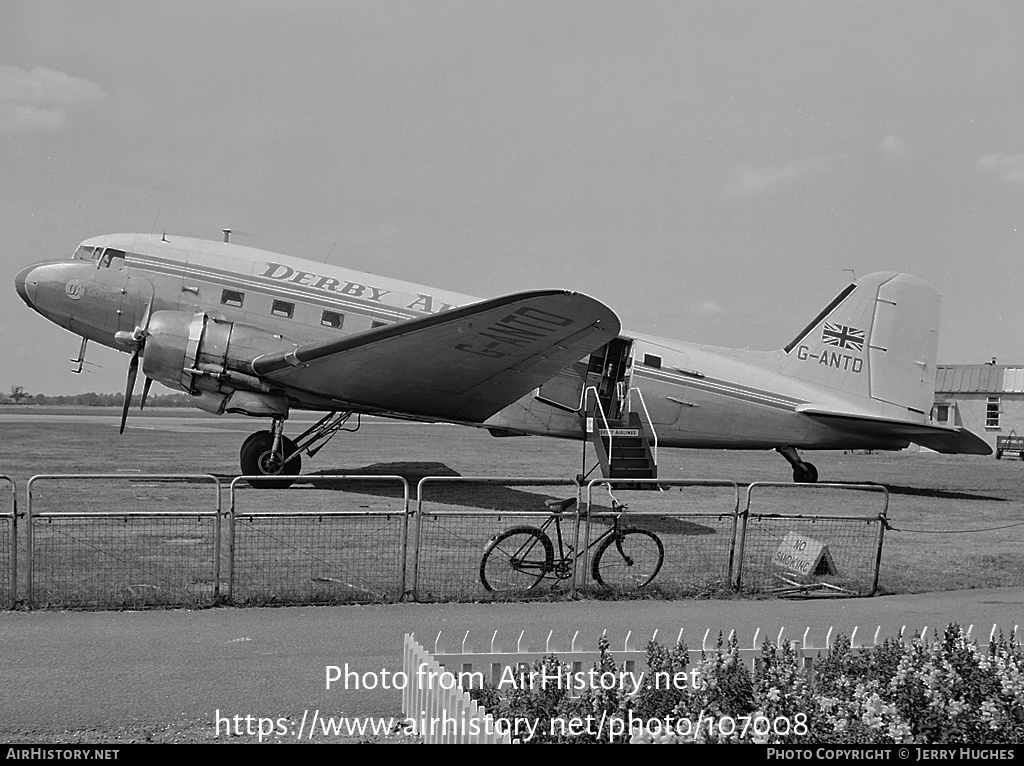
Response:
column 210, row 359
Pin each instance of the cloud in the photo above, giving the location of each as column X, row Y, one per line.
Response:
column 35, row 99
column 748, row 181
column 897, row 148
column 1008, row 168
column 19, row 117
column 706, row 309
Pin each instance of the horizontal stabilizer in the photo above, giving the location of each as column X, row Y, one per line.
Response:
column 950, row 441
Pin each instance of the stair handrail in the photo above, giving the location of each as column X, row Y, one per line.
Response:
column 654, row 431
column 600, row 409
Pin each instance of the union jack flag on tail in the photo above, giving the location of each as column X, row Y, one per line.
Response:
column 843, row 336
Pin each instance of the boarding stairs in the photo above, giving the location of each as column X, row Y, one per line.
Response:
column 623, row 448
column 618, row 423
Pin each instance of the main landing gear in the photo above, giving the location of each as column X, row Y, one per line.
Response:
column 272, row 454
column 803, row 473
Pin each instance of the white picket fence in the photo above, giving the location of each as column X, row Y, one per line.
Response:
column 443, row 712
column 434, row 696
column 491, row 663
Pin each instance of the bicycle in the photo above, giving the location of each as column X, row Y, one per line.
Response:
column 517, row 559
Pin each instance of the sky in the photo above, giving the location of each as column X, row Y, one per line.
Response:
column 714, row 171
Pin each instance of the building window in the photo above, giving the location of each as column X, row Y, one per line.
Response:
column 650, row 360
column 332, row 319
column 992, row 410
column 941, row 413
column 232, row 298
column 282, row 309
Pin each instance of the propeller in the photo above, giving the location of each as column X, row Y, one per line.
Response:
column 133, row 372
column 136, row 340
column 145, row 393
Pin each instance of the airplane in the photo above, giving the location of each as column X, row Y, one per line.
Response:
column 249, row 331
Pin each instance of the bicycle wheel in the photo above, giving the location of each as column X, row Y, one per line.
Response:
column 629, row 558
column 516, row 560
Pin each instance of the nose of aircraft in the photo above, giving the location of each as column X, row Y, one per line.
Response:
column 25, row 285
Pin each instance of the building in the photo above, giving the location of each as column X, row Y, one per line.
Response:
column 987, row 399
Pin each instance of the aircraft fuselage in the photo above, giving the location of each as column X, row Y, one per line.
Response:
column 688, row 392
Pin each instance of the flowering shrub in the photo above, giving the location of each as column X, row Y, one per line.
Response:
column 944, row 691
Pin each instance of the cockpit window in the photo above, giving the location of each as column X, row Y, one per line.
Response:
column 114, row 258
column 83, row 253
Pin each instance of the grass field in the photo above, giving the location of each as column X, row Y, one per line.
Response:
column 957, row 522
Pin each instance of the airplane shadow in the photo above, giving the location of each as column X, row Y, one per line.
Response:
column 478, row 496
column 947, row 494
column 669, row 525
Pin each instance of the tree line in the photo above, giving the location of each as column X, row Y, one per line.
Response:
column 18, row 395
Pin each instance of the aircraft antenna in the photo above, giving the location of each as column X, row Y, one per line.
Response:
column 229, row 232
column 330, row 251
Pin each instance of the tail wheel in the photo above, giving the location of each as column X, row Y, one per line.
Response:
column 257, row 458
column 516, row 560
column 630, row 558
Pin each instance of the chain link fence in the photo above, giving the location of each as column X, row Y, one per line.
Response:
column 8, row 544
column 812, row 538
column 131, row 541
column 347, row 544
column 695, row 521
column 456, row 518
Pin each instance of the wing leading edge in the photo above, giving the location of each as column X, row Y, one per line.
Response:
column 464, row 364
column 939, row 438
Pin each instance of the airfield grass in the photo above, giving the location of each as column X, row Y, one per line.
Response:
column 956, row 521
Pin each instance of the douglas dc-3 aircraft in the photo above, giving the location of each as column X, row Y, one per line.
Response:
column 249, row 331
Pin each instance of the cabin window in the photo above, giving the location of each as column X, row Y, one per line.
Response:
column 114, row 258
column 992, row 410
column 332, row 319
column 282, row 309
column 650, row 360
column 374, row 325
column 83, row 253
column 232, row 298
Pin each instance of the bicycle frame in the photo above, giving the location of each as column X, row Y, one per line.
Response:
column 567, row 555
column 523, row 556
column 575, row 552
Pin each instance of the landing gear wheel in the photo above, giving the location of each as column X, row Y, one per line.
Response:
column 805, row 473
column 258, row 459
column 628, row 559
column 516, row 560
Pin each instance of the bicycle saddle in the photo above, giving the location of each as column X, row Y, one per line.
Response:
column 558, row 506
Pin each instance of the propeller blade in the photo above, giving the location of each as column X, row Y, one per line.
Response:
column 133, row 371
column 146, row 316
column 145, row 393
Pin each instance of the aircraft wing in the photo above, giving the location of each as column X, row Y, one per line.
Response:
column 939, row 438
column 464, row 364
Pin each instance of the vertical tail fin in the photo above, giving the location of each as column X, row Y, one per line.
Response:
column 877, row 340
